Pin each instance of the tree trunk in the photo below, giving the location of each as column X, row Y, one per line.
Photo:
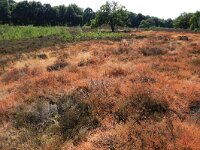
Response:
column 112, row 28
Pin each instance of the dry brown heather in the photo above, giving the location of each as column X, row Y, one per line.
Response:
column 139, row 93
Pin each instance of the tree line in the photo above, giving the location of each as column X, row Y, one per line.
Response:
column 37, row 14
column 34, row 13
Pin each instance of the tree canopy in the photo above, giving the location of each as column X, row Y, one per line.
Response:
column 4, row 11
column 88, row 15
column 183, row 21
column 195, row 21
column 111, row 14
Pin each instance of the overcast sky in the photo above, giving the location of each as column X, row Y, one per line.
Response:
column 158, row 8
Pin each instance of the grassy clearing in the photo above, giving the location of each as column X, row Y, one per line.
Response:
column 17, row 39
column 21, row 32
column 68, row 34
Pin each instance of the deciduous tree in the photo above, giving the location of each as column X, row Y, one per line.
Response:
column 195, row 21
column 111, row 14
column 88, row 15
column 4, row 11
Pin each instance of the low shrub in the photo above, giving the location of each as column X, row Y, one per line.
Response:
column 83, row 63
column 74, row 115
column 42, row 56
column 35, row 116
column 65, row 116
column 194, row 44
column 183, row 38
column 140, row 36
column 196, row 51
column 196, row 61
column 59, row 65
column 116, row 72
column 194, row 107
column 17, row 74
column 142, row 106
column 153, row 51
column 3, row 64
column 121, row 50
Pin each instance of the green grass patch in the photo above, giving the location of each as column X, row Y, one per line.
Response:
column 65, row 33
column 19, row 39
column 25, row 32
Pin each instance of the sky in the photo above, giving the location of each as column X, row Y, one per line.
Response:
column 159, row 8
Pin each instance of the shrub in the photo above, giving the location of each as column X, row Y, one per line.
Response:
column 35, row 116
column 196, row 51
column 3, row 64
column 74, row 116
column 140, row 107
column 153, row 51
column 83, row 63
column 57, row 66
column 65, row 116
column 121, row 50
column 196, row 61
column 183, row 38
column 117, row 72
column 16, row 74
column 194, row 44
column 42, row 56
column 194, row 107
column 140, row 36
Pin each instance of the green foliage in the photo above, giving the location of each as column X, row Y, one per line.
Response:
column 147, row 23
column 4, row 11
column 17, row 32
column 37, row 14
column 29, row 38
column 183, row 21
column 73, row 19
column 34, row 13
column 131, row 19
column 88, row 15
column 68, row 34
column 139, row 20
column 134, row 20
column 78, row 10
column 169, row 23
column 195, row 21
column 111, row 14
column 61, row 10
column 188, row 21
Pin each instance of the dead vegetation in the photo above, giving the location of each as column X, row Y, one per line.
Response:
column 138, row 93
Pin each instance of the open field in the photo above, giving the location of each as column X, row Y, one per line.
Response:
column 137, row 90
column 17, row 39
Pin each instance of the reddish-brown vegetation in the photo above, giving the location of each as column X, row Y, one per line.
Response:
column 139, row 93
